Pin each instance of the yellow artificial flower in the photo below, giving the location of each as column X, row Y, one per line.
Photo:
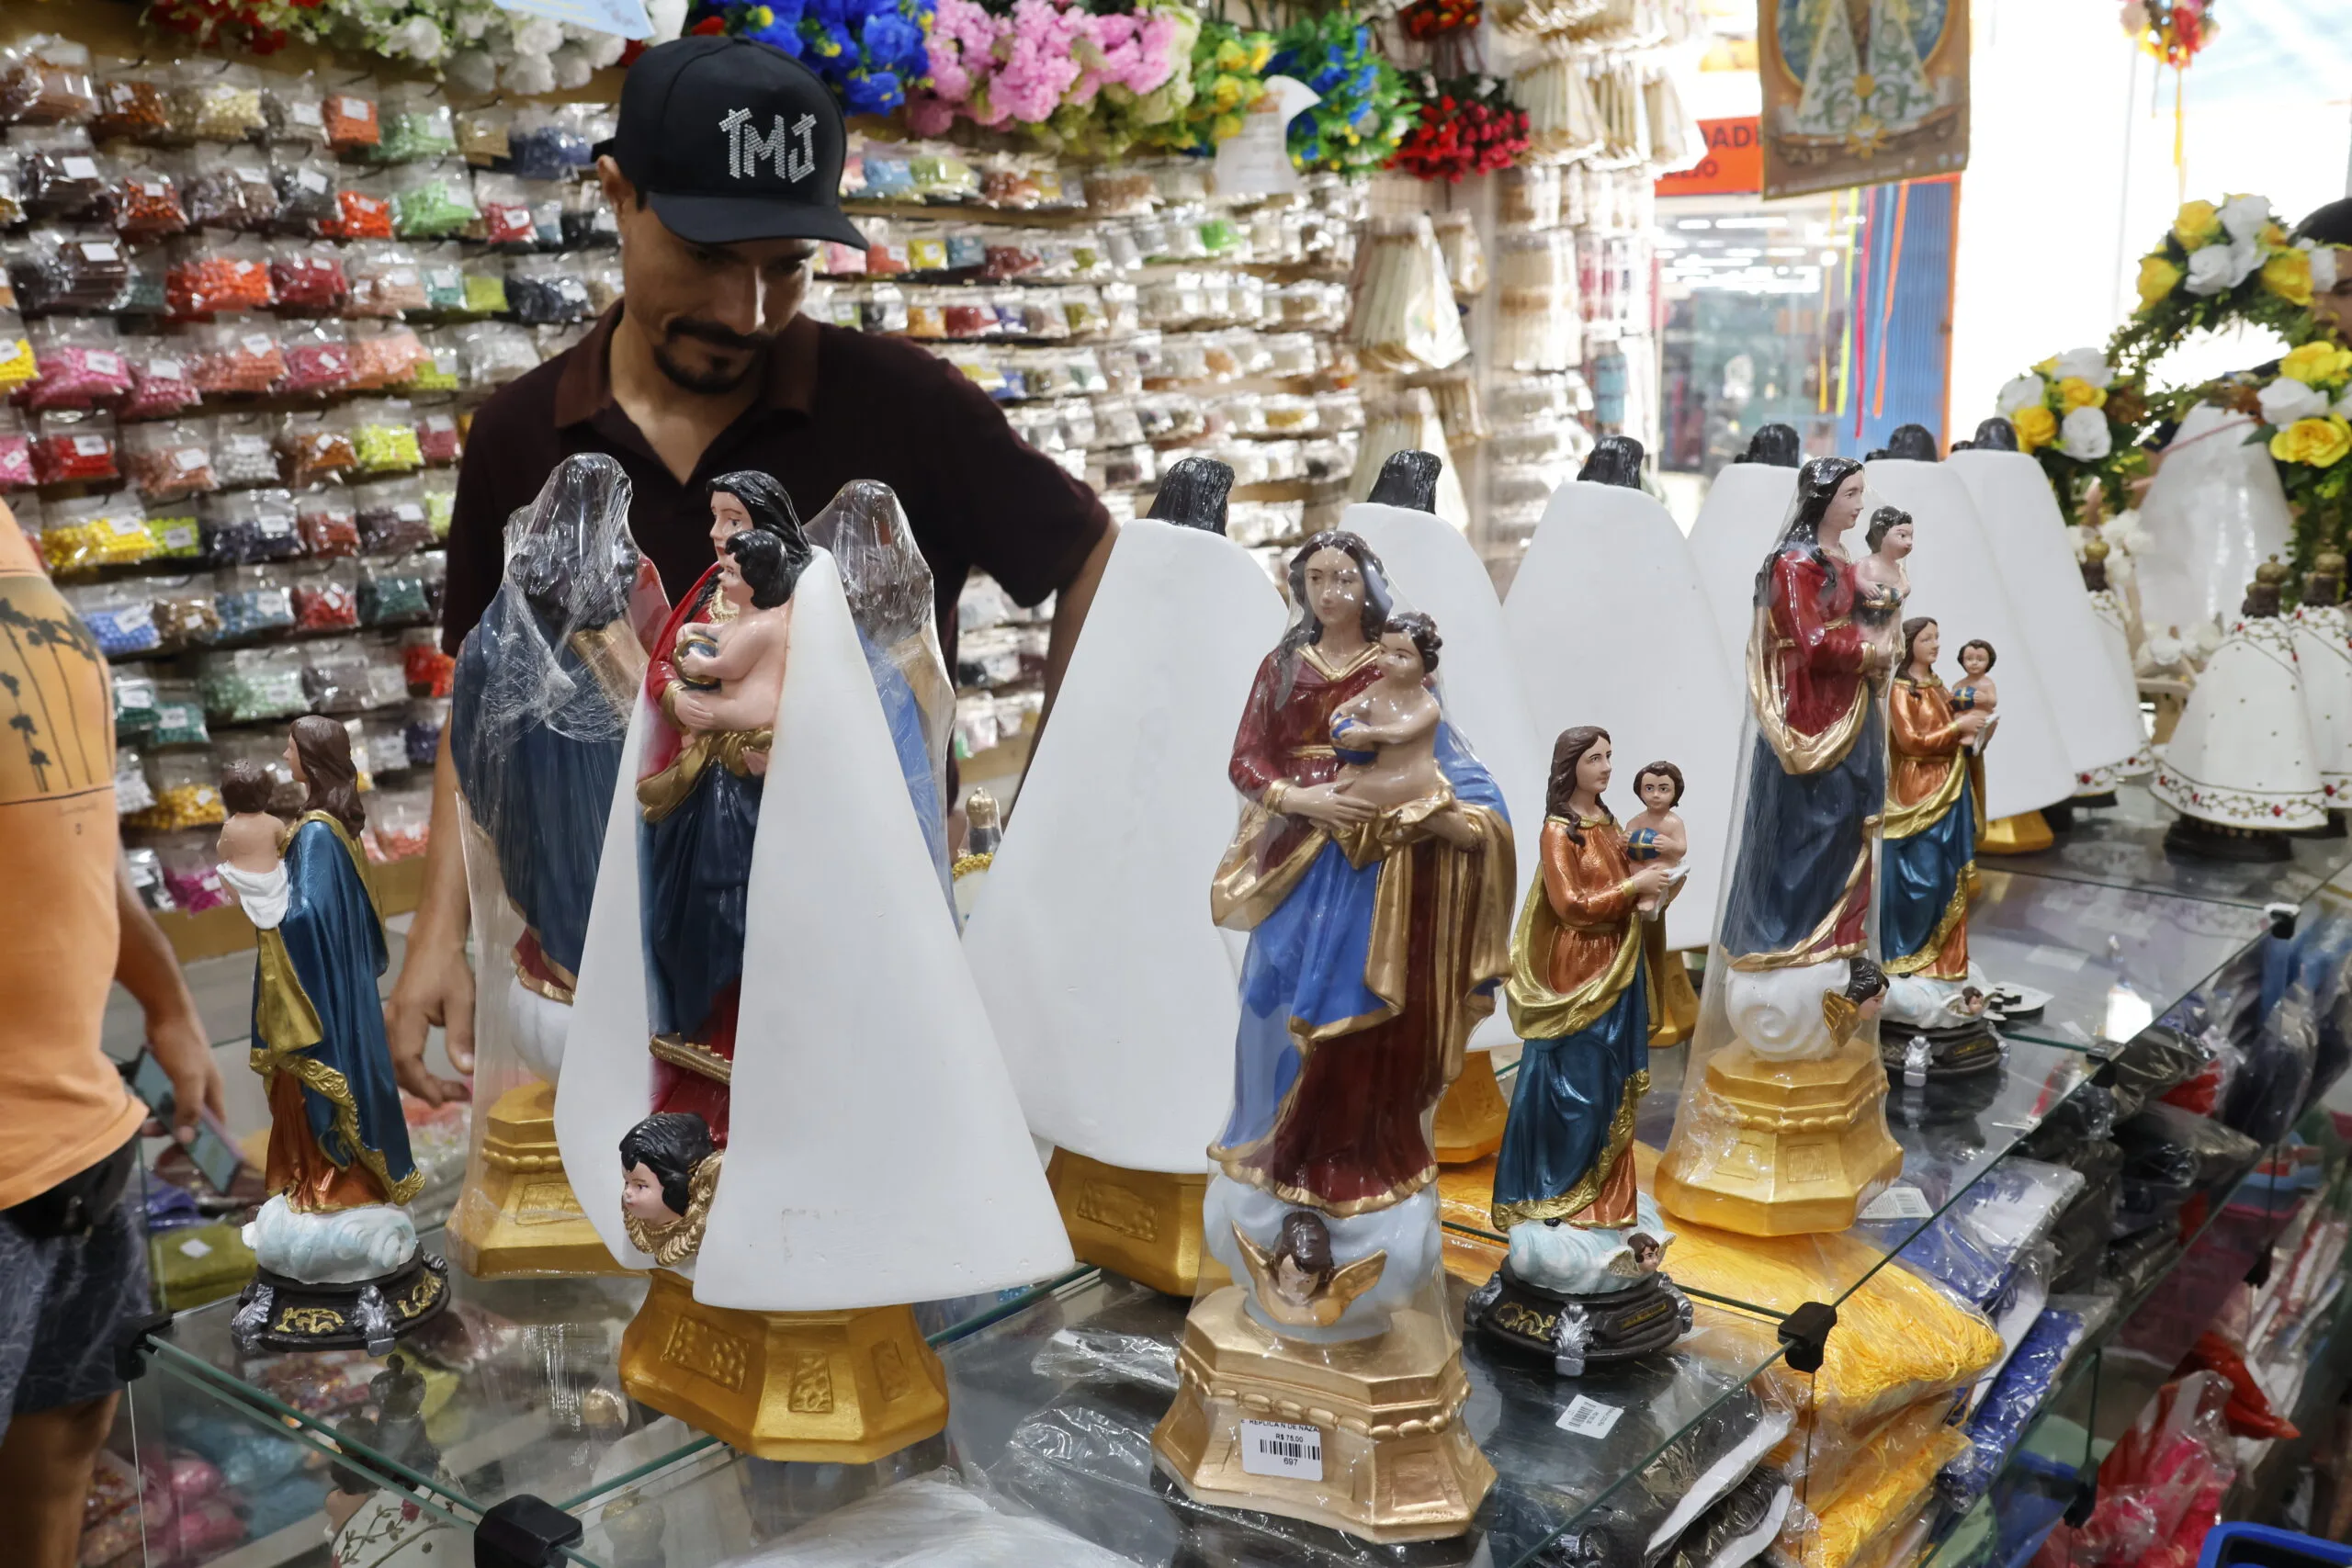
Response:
column 2074, row 393
column 2047, row 365
column 2287, row 274
column 2320, row 364
column 2036, row 426
column 1262, row 52
column 1227, row 94
column 2316, row 443
column 759, row 17
column 1224, row 127
column 2158, row 279
column 2273, row 236
column 2197, row 222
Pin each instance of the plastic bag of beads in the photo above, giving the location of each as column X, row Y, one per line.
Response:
column 251, row 685
column 81, row 364
column 183, row 611
column 252, row 600
column 325, row 595
column 327, row 520
column 393, row 593
column 547, row 142
column 431, row 201
column 485, row 284
column 130, row 103
column 72, row 445
column 386, row 680
column 94, row 531
column 244, row 450
column 439, row 489
column 546, row 291
column 421, row 725
column 308, row 196
column 19, row 362
column 390, row 513
column 230, row 187
column 210, row 275
column 187, row 792
column 504, row 205
column 443, row 367
column 438, row 438
column 57, row 171
column 425, row 668
column 169, row 460
column 413, row 124
column 290, row 107
column 548, row 341
column 383, row 437
column 134, row 702
column 480, row 133
column 118, row 618
column 495, row 352
column 179, row 714
column 132, row 791
column 11, row 202
column 16, row 455
column 318, row 359
column 173, row 527
column 313, row 446
column 334, row 677
column 245, row 527
column 191, row 884
column 235, row 357
column 384, row 354
column 385, row 280
column 74, row 270
column 363, row 209
column 351, row 118
column 307, row 278
column 588, row 219
column 144, row 202
column 400, row 824
column 441, row 269
column 602, row 280
column 215, row 103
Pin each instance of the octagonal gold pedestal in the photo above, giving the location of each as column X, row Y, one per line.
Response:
column 1144, row 1224
column 1397, row 1462
column 825, row 1387
column 1470, row 1118
column 1781, row 1148
column 522, row 1217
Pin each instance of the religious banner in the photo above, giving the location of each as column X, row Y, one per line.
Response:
column 1862, row 92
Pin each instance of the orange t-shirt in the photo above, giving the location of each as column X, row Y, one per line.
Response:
column 63, row 1105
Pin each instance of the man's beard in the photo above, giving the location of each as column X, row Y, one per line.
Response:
column 711, row 381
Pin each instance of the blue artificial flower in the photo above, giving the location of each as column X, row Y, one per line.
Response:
column 785, row 35
column 891, row 41
column 874, row 92
column 829, row 39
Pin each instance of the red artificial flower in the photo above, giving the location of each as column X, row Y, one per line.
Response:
column 708, row 27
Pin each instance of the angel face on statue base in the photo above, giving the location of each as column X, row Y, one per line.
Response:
column 670, row 1173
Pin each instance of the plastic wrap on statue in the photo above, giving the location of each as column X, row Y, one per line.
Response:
column 1110, row 988
column 870, row 1069
column 1736, row 525
column 2097, row 708
column 2213, row 513
column 339, row 1267
column 2241, row 767
column 2324, row 657
column 1610, row 585
column 1373, row 869
column 2097, row 787
column 1581, row 1286
column 538, row 706
column 1958, row 582
column 1782, row 1126
column 1443, row 573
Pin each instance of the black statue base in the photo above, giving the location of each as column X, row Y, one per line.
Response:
column 2098, row 802
column 2331, row 828
column 2193, row 839
column 2060, row 816
column 278, row 1314
column 1956, row 1051
column 1577, row 1333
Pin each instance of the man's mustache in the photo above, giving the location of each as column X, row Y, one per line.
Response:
column 717, row 336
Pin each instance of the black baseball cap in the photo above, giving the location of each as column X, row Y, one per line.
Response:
column 729, row 139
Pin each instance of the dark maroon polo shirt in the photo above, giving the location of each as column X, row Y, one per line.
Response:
column 834, row 406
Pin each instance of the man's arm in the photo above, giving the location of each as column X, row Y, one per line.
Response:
column 436, row 986
column 150, row 971
column 1070, row 604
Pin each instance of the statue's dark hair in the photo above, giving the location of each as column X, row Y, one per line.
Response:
column 1915, row 442
column 1884, row 521
column 767, row 567
column 1664, row 769
column 669, row 1143
column 1561, row 787
column 1615, row 460
column 1408, row 479
column 329, row 774
column 1864, row 980
column 1991, row 657
column 1817, row 484
column 1996, row 434
column 1911, row 630
column 1422, row 630
column 1306, row 1241
column 1776, row 445
column 1193, row 494
column 245, row 787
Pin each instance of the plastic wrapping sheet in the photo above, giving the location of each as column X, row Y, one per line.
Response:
column 2018, row 1393
column 2161, row 1056
column 1972, row 1247
column 1853, row 1533
column 2274, row 1073
column 2168, row 1155
column 2160, row 1488
column 930, row 1521
column 1738, row 1526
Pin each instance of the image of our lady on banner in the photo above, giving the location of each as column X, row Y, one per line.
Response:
column 1862, row 92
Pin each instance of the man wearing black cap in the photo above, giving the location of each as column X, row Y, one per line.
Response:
column 724, row 172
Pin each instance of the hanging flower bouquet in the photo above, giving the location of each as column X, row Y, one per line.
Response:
column 2172, row 30
column 2306, row 413
column 1466, row 125
column 1228, row 74
column 1430, row 19
column 1083, row 79
column 2079, row 422
column 872, row 53
column 1366, row 111
column 2219, row 264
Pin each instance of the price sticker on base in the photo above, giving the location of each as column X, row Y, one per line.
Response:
column 1901, row 1203
column 1282, row 1447
column 1589, row 1417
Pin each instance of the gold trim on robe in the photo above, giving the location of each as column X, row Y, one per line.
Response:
column 1580, row 1197
column 666, row 791
column 1798, row 753
column 1806, row 951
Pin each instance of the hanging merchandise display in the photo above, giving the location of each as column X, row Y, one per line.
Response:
column 1861, row 96
column 1466, row 125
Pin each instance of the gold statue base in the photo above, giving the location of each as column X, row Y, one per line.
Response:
column 521, row 1217
column 1794, row 1147
column 1397, row 1462
column 824, row 1387
column 1144, row 1224
column 2025, row 834
column 1470, row 1118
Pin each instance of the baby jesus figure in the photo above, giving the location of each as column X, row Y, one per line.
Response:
column 731, row 672
column 1655, row 834
column 251, row 865
column 1974, row 691
column 1387, row 738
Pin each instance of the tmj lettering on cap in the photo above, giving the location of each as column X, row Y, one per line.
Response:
column 728, row 139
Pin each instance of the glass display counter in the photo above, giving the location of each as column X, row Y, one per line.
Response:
column 1055, row 1389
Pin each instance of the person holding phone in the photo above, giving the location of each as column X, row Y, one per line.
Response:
column 73, row 1247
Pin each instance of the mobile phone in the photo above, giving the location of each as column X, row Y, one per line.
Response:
column 212, row 1151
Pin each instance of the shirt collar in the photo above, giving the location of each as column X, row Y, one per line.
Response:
column 586, row 388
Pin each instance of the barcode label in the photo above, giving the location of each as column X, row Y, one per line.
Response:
column 89, row 445
column 81, row 168
column 196, row 1247
column 188, row 459
column 312, row 180
column 103, row 364
column 1282, row 1447
column 356, row 108
column 259, row 343
column 165, row 370
column 1901, row 1203
column 1589, row 1417
column 99, row 251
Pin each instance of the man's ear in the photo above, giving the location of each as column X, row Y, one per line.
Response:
column 618, row 191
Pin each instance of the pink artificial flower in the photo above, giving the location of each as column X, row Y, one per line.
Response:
column 960, row 46
column 1040, row 64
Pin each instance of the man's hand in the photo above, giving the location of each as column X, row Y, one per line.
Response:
column 177, row 1043
column 151, row 972
column 434, row 986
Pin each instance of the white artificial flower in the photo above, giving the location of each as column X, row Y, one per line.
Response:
column 2087, row 363
column 419, row 38
column 2245, row 217
column 2217, row 269
column 2082, row 435
column 472, row 22
column 2025, row 392
column 528, row 73
column 2343, row 409
column 473, row 70
column 2285, row 399
column 537, row 36
column 604, row 49
column 669, row 18
column 2323, row 267
column 2123, row 531
column 572, row 68
column 2078, row 539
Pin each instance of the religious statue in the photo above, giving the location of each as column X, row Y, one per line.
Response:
column 339, row 1266
column 1581, row 1284
column 1976, row 692
column 1376, row 895
column 1880, row 576
column 1782, row 1126
column 669, row 1172
column 1656, row 835
column 539, row 707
